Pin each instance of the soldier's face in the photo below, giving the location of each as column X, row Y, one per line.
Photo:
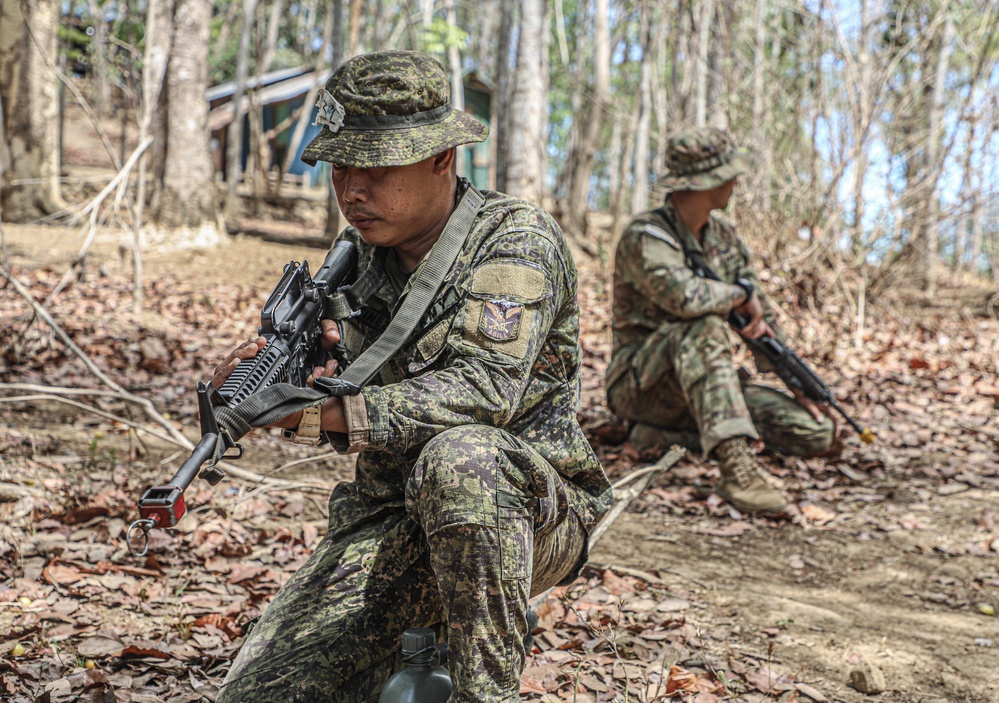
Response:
column 723, row 193
column 396, row 206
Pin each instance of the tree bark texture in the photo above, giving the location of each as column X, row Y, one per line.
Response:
column 234, row 132
column 640, row 193
column 525, row 141
column 588, row 124
column 29, row 101
column 187, row 197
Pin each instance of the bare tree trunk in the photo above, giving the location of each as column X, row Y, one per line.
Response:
column 977, row 235
column 661, row 97
column 816, row 114
column 704, row 26
column 273, row 27
column 29, row 94
column 588, row 126
column 337, row 44
column 334, row 10
column 483, row 36
column 234, row 133
column 964, row 231
column 931, row 223
column 525, row 142
column 760, row 140
column 187, row 199
column 158, row 35
column 686, row 78
column 718, row 60
column 309, row 24
column 457, row 83
column 504, row 89
column 355, row 28
column 379, row 37
column 861, row 124
column 640, row 192
column 99, row 60
column 615, row 180
column 679, row 77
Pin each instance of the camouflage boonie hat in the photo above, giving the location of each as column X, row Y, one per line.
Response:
column 388, row 108
column 704, row 158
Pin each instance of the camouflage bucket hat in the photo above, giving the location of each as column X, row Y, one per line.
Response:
column 701, row 159
column 388, row 108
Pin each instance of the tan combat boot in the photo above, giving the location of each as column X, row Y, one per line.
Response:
column 741, row 483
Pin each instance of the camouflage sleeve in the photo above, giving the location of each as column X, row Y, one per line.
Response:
column 658, row 269
column 517, row 285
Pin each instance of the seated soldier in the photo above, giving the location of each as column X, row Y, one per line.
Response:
column 671, row 370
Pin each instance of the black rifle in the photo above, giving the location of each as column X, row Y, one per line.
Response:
column 791, row 368
column 291, row 321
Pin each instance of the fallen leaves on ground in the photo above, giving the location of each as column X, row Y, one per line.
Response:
column 81, row 619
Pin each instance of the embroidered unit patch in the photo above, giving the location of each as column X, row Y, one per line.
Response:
column 500, row 319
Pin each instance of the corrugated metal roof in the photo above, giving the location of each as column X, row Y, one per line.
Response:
column 223, row 90
column 276, row 92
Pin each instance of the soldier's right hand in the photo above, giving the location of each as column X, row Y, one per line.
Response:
column 246, row 350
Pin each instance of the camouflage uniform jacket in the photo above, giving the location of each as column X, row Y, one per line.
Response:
column 655, row 285
column 498, row 346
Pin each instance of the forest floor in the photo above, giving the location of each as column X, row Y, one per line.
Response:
column 888, row 556
column 882, row 577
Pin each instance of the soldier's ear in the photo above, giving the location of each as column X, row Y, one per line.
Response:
column 444, row 161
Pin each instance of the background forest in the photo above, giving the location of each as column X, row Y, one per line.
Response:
column 150, row 193
column 874, row 123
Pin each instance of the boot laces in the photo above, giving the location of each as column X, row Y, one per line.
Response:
column 743, row 467
column 744, row 472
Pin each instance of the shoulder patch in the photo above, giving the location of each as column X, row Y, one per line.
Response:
column 500, row 319
column 661, row 234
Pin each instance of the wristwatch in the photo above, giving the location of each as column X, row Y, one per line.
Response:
column 309, row 429
column 746, row 286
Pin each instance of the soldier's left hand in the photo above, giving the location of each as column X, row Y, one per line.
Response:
column 820, row 411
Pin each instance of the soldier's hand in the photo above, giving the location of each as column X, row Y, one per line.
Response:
column 330, row 338
column 329, row 369
column 246, row 350
column 331, row 334
column 819, row 411
column 752, row 310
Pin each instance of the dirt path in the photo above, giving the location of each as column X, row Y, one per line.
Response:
column 893, row 567
column 820, row 600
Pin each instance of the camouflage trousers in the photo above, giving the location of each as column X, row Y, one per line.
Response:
column 481, row 523
column 683, row 378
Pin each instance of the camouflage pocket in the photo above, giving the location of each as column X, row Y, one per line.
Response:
column 515, row 535
column 428, row 348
